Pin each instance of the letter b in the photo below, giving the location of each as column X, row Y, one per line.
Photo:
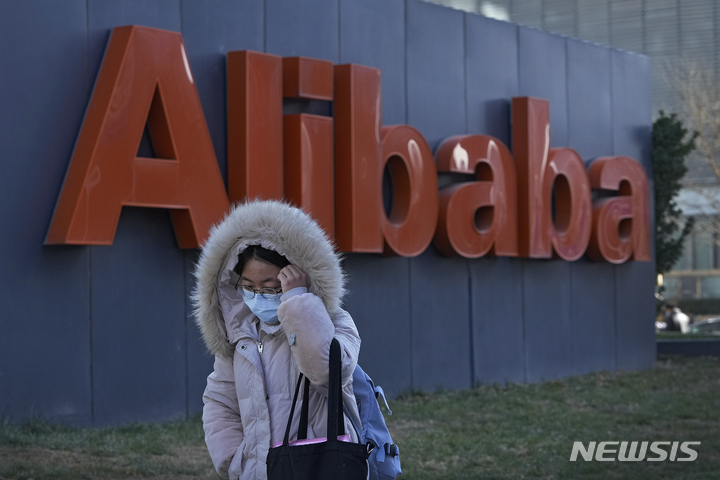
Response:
column 543, row 173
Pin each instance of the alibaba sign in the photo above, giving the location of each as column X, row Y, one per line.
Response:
column 535, row 202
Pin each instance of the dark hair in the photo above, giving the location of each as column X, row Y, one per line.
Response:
column 259, row 253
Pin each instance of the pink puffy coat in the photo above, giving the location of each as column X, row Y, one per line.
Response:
column 249, row 393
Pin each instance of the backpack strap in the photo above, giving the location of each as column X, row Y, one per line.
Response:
column 379, row 392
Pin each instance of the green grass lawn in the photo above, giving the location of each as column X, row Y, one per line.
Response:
column 503, row 432
column 527, row 431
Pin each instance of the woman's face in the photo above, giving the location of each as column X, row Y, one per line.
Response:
column 258, row 274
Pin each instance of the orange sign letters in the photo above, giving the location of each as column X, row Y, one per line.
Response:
column 145, row 79
column 535, row 202
column 482, row 216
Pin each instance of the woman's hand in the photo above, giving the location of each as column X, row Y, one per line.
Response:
column 291, row 277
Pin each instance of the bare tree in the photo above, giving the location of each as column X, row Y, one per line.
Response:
column 697, row 87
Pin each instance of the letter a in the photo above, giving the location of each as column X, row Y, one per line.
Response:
column 621, row 224
column 145, row 79
column 477, row 217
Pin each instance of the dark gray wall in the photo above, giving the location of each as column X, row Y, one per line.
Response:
column 102, row 335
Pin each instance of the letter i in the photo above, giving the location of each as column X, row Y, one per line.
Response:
column 673, row 452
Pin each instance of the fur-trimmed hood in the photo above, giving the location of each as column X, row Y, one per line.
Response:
column 274, row 225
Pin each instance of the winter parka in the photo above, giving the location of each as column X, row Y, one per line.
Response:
column 248, row 395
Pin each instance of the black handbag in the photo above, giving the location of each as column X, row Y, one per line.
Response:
column 328, row 459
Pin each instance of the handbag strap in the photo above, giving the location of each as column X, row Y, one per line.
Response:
column 336, row 419
column 302, row 429
column 303, row 414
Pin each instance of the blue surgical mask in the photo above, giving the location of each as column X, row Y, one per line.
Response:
column 264, row 308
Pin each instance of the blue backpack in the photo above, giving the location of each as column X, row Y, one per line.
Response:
column 384, row 460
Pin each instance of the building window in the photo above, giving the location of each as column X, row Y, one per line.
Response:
column 710, row 287
column 697, row 272
column 703, row 245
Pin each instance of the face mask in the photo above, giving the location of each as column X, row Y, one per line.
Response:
column 264, row 308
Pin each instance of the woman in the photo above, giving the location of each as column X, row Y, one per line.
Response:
column 269, row 288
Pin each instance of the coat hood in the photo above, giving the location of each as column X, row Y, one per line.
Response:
column 276, row 226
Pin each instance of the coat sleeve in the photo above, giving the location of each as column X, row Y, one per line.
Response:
column 310, row 330
column 221, row 418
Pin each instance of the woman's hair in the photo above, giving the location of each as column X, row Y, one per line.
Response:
column 259, row 253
